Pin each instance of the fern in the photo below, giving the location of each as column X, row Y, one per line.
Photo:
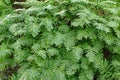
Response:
column 61, row 40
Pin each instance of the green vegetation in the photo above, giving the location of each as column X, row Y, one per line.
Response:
column 60, row 40
column 5, row 7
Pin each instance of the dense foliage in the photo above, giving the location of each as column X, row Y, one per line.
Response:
column 5, row 7
column 61, row 40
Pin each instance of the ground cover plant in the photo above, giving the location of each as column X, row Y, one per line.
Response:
column 5, row 7
column 61, row 40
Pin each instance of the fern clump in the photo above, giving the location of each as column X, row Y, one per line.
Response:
column 61, row 40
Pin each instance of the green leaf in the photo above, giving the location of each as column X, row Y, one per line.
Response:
column 91, row 33
column 113, row 24
column 13, row 28
column 77, row 53
column 35, row 47
column 52, row 52
column 110, row 39
column 116, row 63
column 82, row 34
column 34, row 30
column 49, row 7
column 116, row 49
column 79, row 22
column 102, row 27
column 84, row 63
column 82, row 76
column 29, row 74
column 31, row 58
column 42, row 53
column 61, row 13
column 117, row 32
column 48, row 23
column 59, row 75
column 72, row 70
column 89, row 74
column 58, row 39
column 5, row 53
column 91, row 56
column 69, row 41
column 20, row 55
column 75, row 23
column 63, row 28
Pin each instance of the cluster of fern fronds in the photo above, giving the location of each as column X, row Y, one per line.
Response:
column 61, row 40
column 5, row 8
